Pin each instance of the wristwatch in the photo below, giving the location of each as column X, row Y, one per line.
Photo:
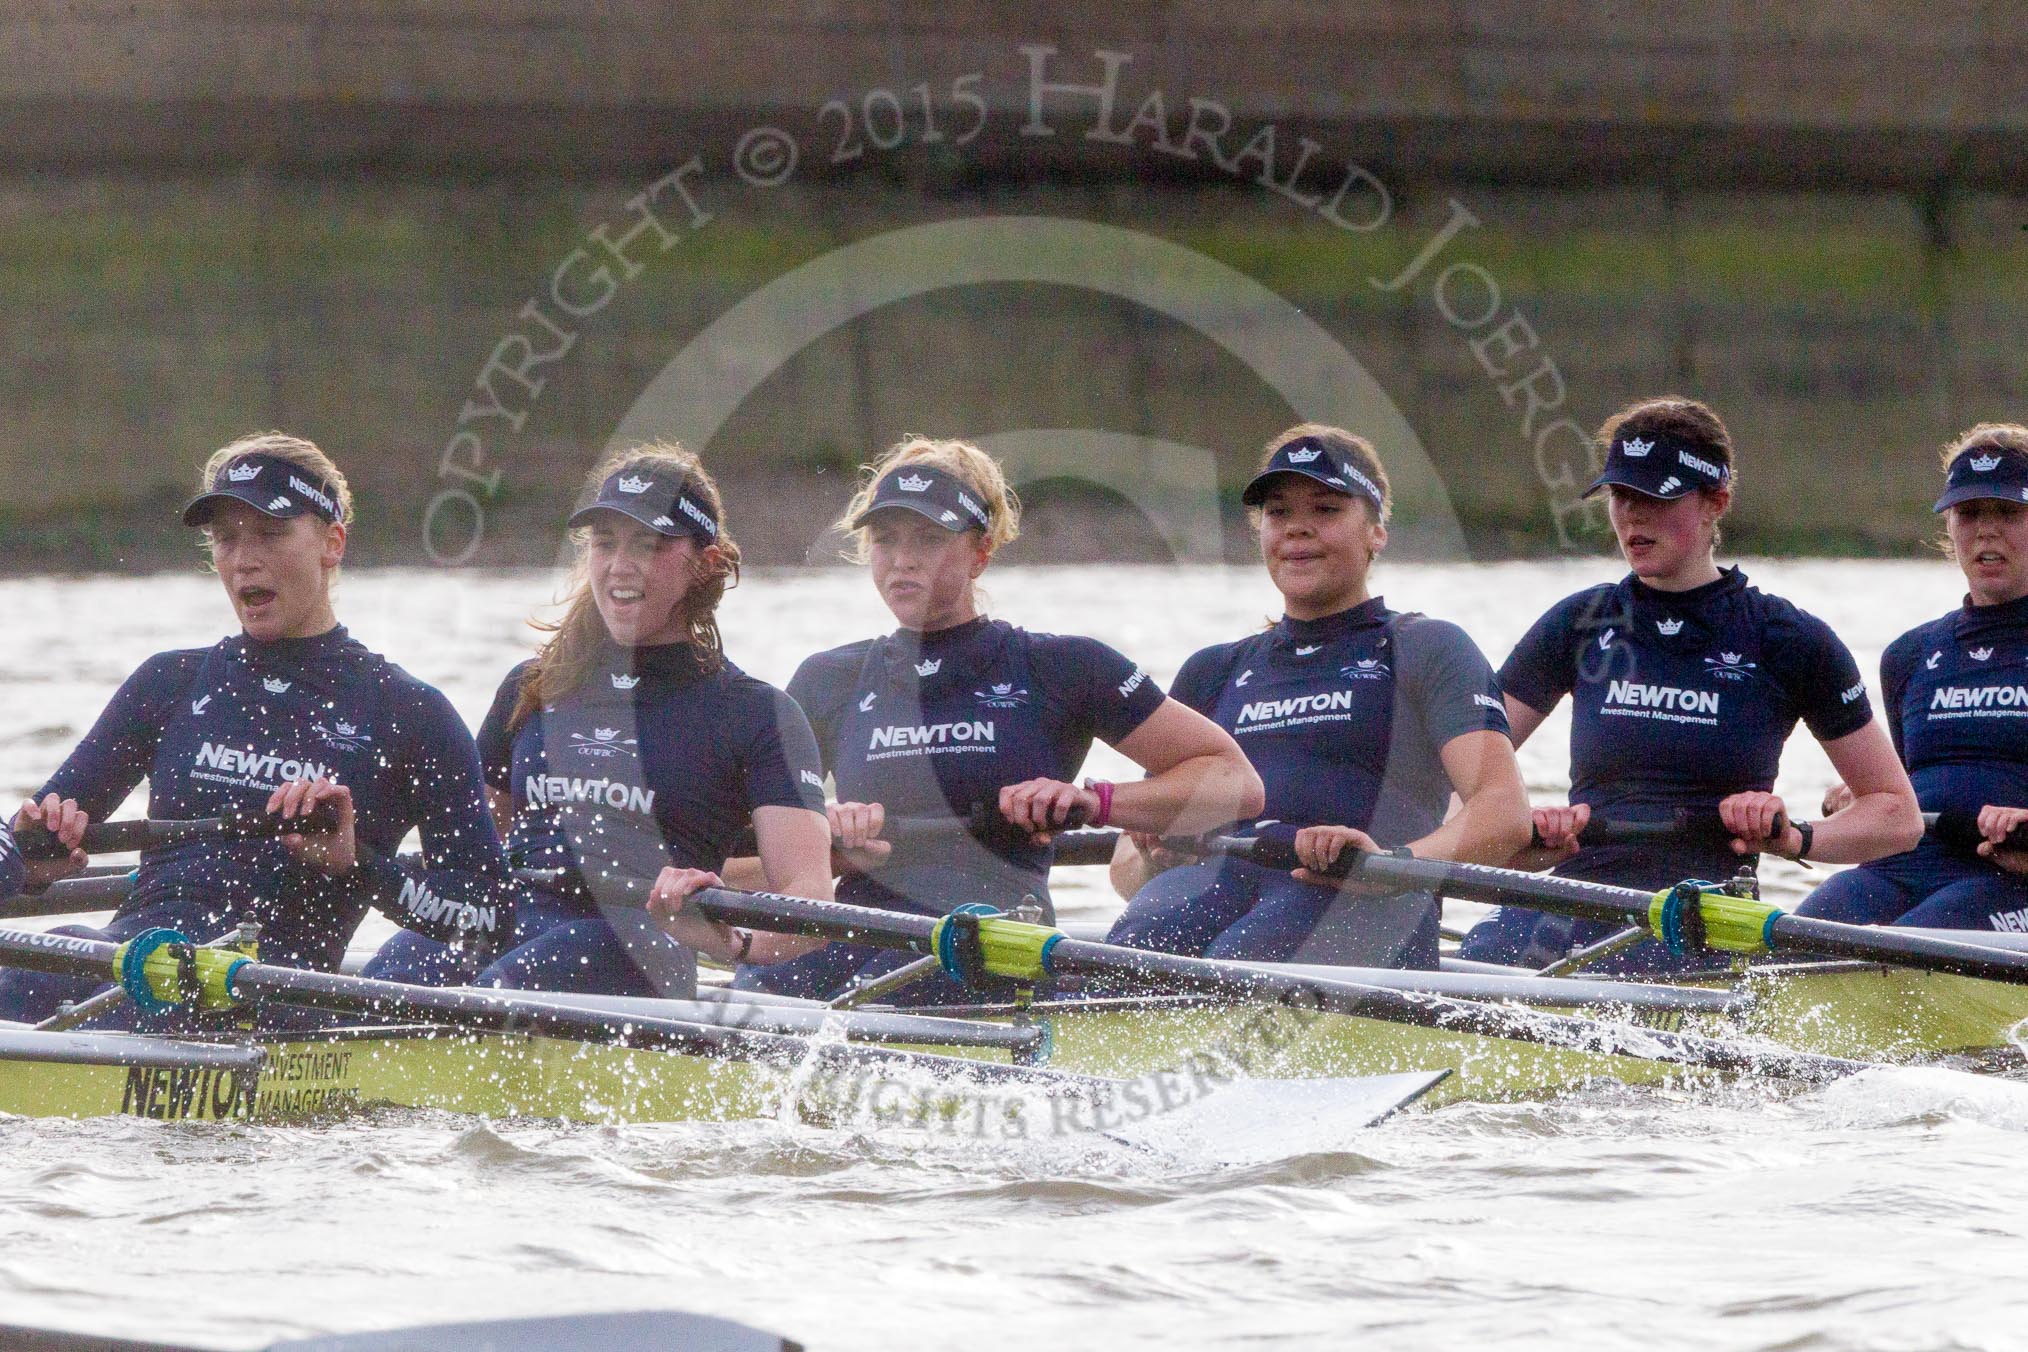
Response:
column 1807, row 833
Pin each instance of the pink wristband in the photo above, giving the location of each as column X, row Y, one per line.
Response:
column 1104, row 789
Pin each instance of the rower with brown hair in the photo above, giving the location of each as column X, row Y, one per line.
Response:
column 1362, row 722
column 631, row 749
column 1685, row 683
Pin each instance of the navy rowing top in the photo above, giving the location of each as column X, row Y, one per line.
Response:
column 1345, row 717
column 1680, row 699
column 653, row 761
column 1956, row 691
column 216, row 730
column 12, row 871
column 934, row 725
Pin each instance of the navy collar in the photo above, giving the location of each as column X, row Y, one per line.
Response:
column 1729, row 582
column 1972, row 620
column 960, row 649
column 290, row 650
column 1329, row 628
column 677, row 661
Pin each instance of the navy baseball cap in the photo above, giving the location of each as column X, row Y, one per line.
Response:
column 1659, row 466
column 268, row 484
column 1985, row 471
column 658, row 498
column 930, row 492
column 1314, row 459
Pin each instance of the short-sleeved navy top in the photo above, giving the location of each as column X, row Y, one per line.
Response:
column 1956, row 691
column 934, row 725
column 655, row 760
column 1346, row 717
column 1680, row 699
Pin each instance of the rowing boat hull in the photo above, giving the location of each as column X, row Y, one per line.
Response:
column 1841, row 1010
column 484, row 1074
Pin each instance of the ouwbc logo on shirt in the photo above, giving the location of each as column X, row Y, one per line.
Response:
column 1367, row 669
column 341, row 735
column 603, row 743
column 1729, row 667
column 1002, row 695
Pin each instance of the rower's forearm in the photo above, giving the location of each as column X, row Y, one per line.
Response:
column 1491, row 828
column 1190, row 797
column 745, row 873
column 1874, row 826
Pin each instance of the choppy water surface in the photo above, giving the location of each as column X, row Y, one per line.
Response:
column 1884, row 1212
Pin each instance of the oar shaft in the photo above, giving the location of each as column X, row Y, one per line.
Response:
column 1247, row 981
column 1599, row 901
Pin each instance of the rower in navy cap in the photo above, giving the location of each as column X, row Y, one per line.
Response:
column 1362, row 722
column 1954, row 695
column 962, row 717
column 1685, row 683
column 289, row 716
column 630, row 756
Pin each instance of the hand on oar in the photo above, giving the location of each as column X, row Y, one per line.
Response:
column 1319, row 849
column 1042, row 807
column 317, row 821
column 51, row 836
column 855, row 835
column 1998, row 825
column 1759, row 823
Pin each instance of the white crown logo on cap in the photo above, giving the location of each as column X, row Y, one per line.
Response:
column 1985, row 464
column 1304, row 456
column 914, row 483
column 240, row 474
column 1633, row 448
column 632, row 485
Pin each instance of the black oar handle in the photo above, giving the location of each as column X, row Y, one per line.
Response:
column 1701, row 825
column 147, row 832
column 1960, row 831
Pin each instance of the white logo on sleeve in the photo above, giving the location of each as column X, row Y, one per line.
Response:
column 1669, row 628
column 810, row 777
column 1855, row 692
column 1132, row 683
column 867, row 703
column 1486, row 702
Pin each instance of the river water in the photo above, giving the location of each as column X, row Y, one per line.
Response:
column 1883, row 1212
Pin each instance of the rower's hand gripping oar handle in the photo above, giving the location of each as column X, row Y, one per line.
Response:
column 147, row 832
column 1959, row 830
column 1701, row 825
